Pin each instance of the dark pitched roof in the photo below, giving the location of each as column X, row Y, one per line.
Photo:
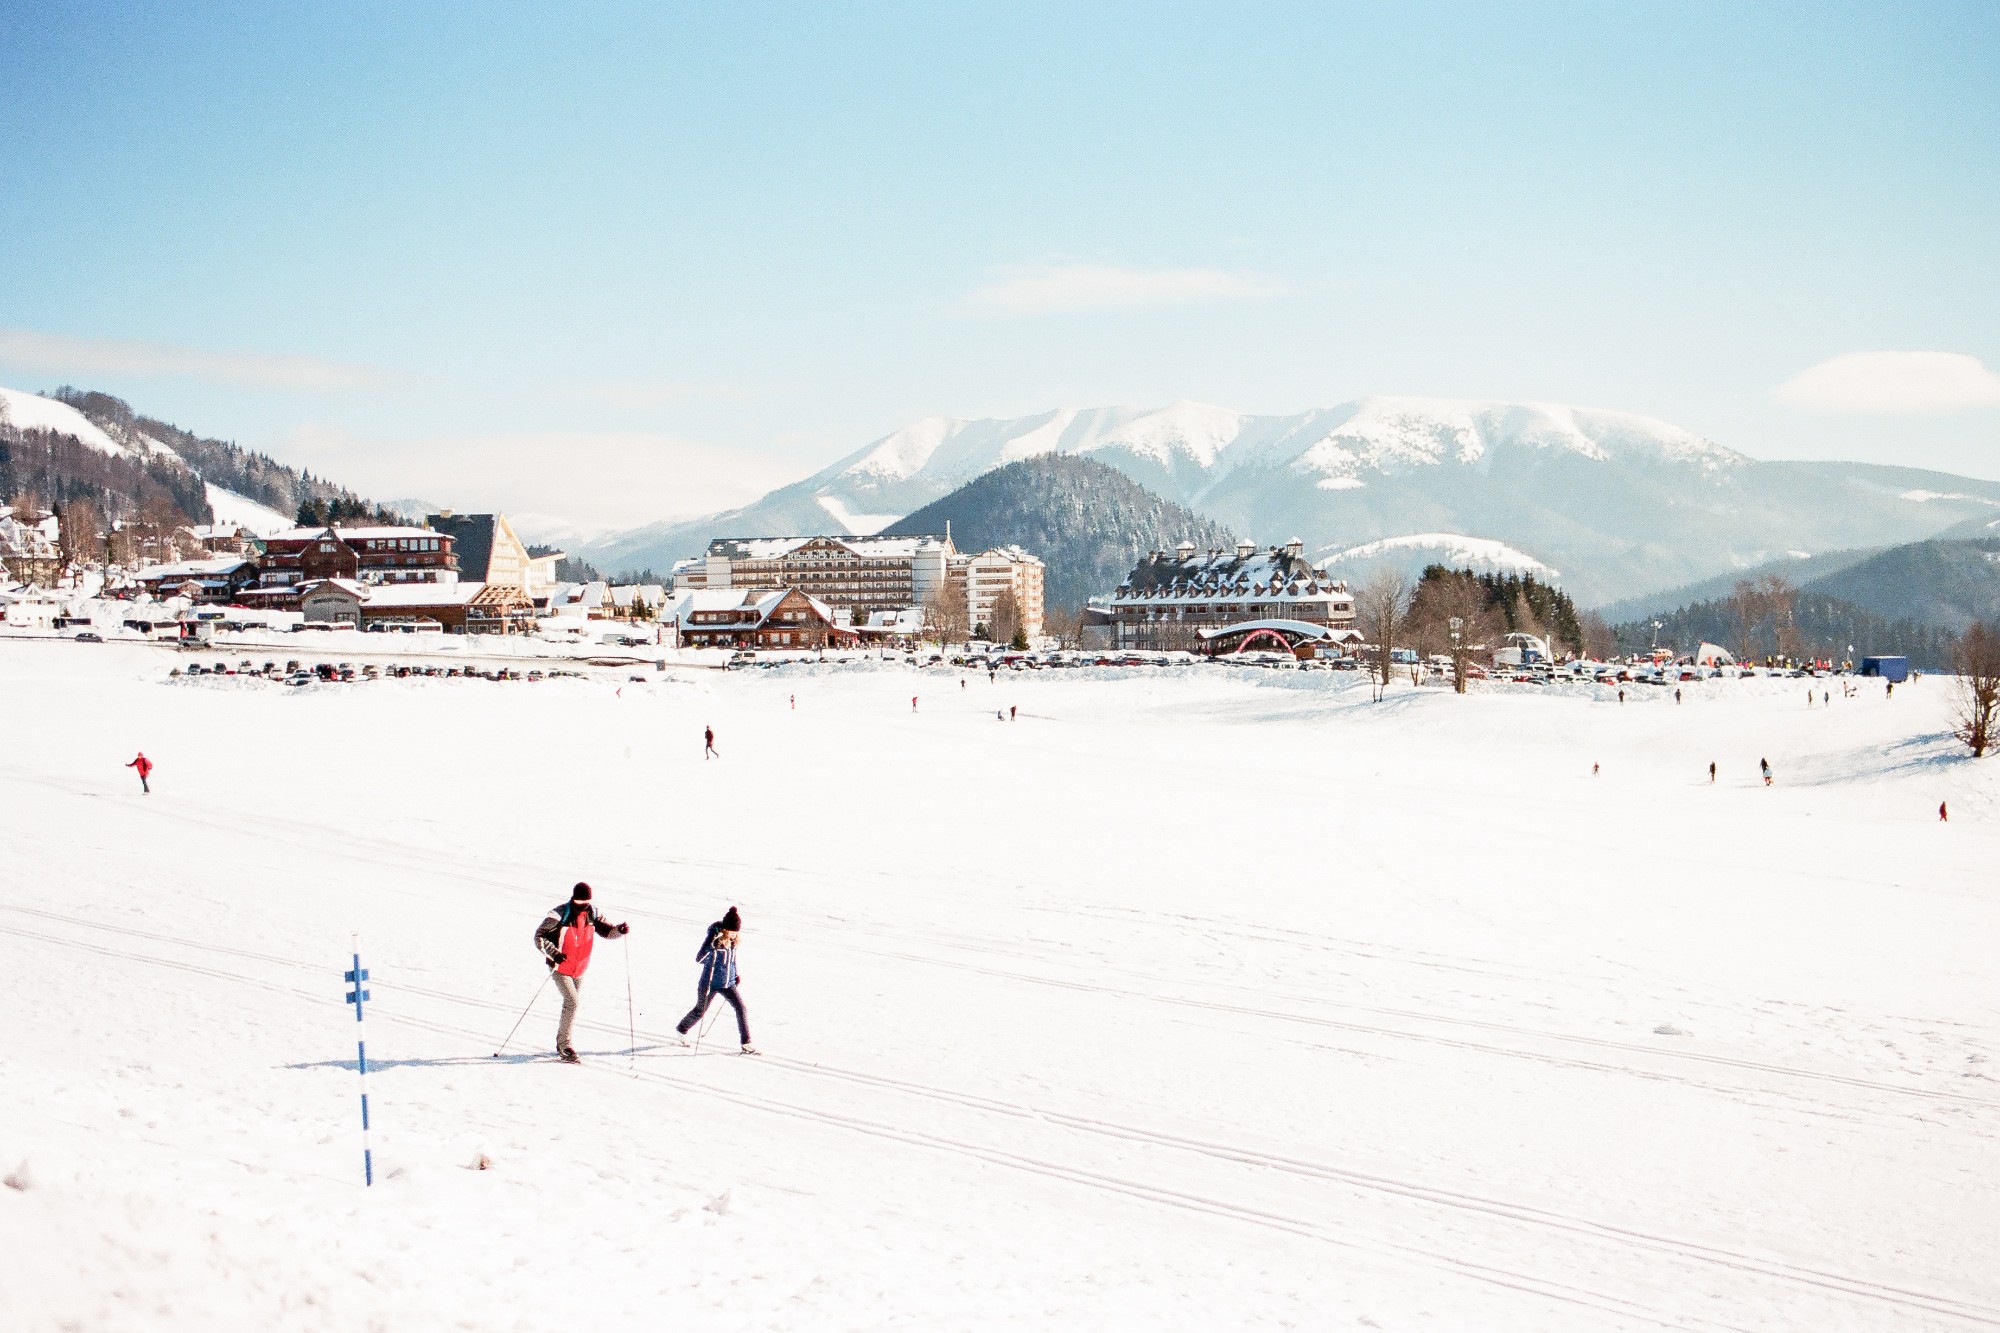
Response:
column 471, row 541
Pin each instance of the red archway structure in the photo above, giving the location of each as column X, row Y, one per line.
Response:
column 1279, row 643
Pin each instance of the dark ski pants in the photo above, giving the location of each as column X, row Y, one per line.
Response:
column 701, row 1007
column 144, row 785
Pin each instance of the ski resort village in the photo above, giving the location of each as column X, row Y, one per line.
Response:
column 1000, row 668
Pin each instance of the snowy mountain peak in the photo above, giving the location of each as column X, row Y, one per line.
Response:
column 1391, row 435
column 1196, row 432
column 905, row 452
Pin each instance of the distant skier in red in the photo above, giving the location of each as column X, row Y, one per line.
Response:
column 145, row 767
column 1944, row 815
column 708, row 744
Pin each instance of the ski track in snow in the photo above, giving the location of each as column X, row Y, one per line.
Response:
column 1675, row 1247
column 1201, row 985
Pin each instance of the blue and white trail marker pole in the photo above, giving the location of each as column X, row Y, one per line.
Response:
column 357, row 997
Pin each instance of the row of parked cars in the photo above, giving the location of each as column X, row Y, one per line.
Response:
column 297, row 673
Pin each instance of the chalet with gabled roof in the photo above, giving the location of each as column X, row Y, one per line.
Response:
column 758, row 618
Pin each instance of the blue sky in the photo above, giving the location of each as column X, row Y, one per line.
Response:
column 633, row 262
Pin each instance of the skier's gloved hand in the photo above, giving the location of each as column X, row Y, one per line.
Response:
column 557, row 955
column 624, row 928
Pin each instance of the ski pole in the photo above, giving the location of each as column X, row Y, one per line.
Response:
column 524, row 1013
column 631, row 1019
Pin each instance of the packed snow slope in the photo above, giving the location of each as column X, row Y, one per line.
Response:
column 29, row 411
column 1188, row 1000
column 1624, row 504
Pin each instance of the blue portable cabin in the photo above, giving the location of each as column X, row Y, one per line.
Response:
column 1892, row 669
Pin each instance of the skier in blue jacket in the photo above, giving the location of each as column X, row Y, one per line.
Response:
column 717, row 957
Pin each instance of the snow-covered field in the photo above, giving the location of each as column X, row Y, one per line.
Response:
column 1188, row 1000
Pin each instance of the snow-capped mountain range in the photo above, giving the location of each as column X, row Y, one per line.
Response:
column 28, row 411
column 1619, row 503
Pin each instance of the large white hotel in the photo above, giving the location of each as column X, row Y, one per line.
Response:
column 863, row 575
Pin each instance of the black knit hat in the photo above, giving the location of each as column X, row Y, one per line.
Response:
column 581, row 893
column 731, row 921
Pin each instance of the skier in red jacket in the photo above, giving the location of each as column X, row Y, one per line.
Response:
column 145, row 766
column 565, row 938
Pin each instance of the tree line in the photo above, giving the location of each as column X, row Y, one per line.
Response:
column 1770, row 617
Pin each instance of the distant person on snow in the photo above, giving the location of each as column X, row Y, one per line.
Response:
column 565, row 937
column 708, row 744
column 1765, row 766
column 1593, row 770
column 1011, row 711
column 1943, row 814
column 913, row 703
column 145, row 767
column 1677, row 694
column 1711, row 772
column 717, row 957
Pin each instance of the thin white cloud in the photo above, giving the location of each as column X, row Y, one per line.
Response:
column 580, row 479
column 1893, row 382
column 1072, row 288
column 60, row 354
column 645, row 395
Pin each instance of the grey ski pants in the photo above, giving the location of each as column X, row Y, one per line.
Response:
column 567, row 985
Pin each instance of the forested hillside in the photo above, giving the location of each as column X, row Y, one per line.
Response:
column 1757, row 622
column 255, row 476
column 1089, row 522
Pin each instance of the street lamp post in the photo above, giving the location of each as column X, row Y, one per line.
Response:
column 1458, row 654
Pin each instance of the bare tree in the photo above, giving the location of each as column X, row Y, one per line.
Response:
column 79, row 534
column 1599, row 643
column 1449, row 614
column 1744, row 611
column 945, row 619
column 1778, row 598
column 1005, row 622
column 1976, row 702
column 1380, row 605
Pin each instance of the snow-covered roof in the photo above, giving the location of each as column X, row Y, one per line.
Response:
column 761, row 601
column 1018, row 554
column 357, row 590
column 217, row 567
column 1184, row 577
column 352, row 534
column 388, row 596
column 868, row 548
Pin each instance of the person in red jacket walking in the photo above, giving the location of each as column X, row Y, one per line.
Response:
column 145, row 766
column 565, row 938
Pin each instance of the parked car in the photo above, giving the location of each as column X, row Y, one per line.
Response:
column 90, row 636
